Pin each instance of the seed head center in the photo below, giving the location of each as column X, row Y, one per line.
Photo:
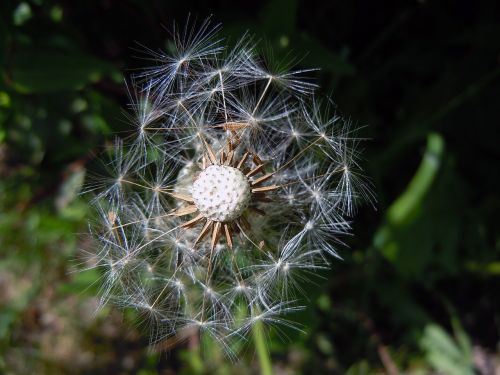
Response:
column 221, row 193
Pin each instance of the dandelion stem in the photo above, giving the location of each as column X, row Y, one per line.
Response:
column 266, row 367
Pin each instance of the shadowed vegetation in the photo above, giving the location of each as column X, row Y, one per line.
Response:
column 417, row 289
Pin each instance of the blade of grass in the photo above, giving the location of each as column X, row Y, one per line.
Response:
column 259, row 337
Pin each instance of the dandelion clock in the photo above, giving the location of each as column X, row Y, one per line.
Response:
column 234, row 186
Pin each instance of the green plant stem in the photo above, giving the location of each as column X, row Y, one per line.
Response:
column 266, row 367
column 421, row 182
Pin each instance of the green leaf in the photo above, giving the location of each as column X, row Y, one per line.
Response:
column 421, row 182
column 444, row 354
column 435, row 191
column 22, row 13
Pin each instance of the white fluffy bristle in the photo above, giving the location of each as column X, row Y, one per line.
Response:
column 221, row 193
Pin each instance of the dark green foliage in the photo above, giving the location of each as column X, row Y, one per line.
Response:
column 418, row 288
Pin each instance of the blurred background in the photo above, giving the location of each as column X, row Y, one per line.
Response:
column 418, row 289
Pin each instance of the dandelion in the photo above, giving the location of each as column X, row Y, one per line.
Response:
column 233, row 190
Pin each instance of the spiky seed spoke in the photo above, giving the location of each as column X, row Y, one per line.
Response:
column 256, row 159
column 204, row 162
column 262, row 179
column 192, row 222
column 243, row 160
column 204, row 231
column 264, row 189
column 229, row 158
column 210, row 153
column 235, row 142
column 183, row 197
column 215, row 234
column 228, row 233
column 256, row 170
column 234, row 125
column 185, row 210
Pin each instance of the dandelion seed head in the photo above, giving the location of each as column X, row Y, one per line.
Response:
column 221, row 193
column 237, row 185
